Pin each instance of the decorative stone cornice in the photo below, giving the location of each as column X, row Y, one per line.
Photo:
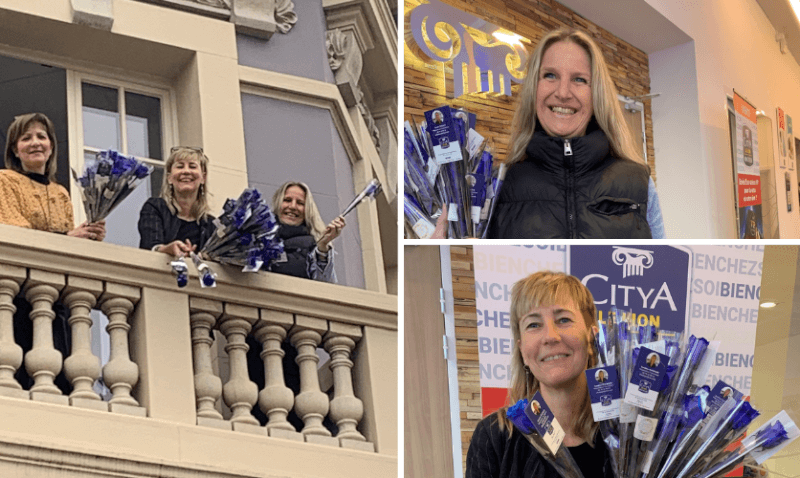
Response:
column 262, row 18
column 93, row 13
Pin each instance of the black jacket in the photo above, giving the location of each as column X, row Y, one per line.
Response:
column 492, row 454
column 157, row 225
column 572, row 189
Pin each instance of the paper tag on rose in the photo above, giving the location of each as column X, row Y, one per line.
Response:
column 645, row 428
column 700, row 374
column 545, row 422
column 648, row 373
column 423, row 228
column 452, row 212
column 627, row 412
column 604, row 392
column 474, row 142
column 446, row 147
column 721, row 392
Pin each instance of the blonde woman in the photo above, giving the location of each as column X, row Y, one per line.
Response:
column 306, row 239
column 553, row 319
column 573, row 170
column 179, row 222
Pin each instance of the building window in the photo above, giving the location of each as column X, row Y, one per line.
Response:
column 133, row 120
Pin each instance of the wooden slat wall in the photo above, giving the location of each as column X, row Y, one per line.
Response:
column 426, row 86
column 466, row 324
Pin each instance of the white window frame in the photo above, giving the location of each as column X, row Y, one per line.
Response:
column 75, row 78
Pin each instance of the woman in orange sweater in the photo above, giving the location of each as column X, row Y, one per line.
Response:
column 29, row 195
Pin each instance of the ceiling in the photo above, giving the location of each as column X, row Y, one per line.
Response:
column 652, row 32
column 783, row 18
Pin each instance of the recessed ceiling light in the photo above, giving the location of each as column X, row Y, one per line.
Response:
column 768, row 305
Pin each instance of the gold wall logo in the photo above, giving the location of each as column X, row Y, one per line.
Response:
column 484, row 67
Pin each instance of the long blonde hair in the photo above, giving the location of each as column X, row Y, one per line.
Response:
column 607, row 111
column 200, row 208
column 312, row 219
column 543, row 289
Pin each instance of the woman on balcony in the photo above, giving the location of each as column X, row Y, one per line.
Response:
column 29, row 195
column 306, row 240
column 30, row 198
column 179, row 222
column 553, row 318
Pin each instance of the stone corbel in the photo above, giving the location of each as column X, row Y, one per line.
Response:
column 348, row 38
column 93, row 13
column 262, row 18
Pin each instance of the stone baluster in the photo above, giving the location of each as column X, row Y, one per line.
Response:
column 207, row 386
column 239, row 393
column 82, row 368
column 43, row 362
column 346, row 409
column 10, row 352
column 120, row 373
column 276, row 399
column 311, row 405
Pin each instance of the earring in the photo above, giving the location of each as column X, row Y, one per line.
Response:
column 200, row 190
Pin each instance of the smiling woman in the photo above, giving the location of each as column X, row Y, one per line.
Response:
column 179, row 222
column 573, row 169
column 29, row 195
column 553, row 318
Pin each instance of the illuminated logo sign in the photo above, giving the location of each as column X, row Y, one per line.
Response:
column 633, row 261
column 660, row 297
column 486, row 67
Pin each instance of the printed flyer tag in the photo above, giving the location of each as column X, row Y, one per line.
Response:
column 721, row 392
column 544, row 422
column 446, row 147
column 645, row 428
column 424, row 229
column 604, row 392
column 648, row 373
column 627, row 412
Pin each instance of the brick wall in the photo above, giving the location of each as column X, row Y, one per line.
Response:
column 426, row 85
column 466, row 324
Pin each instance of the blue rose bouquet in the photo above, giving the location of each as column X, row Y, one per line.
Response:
column 447, row 163
column 690, row 426
column 106, row 182
column 246, row 234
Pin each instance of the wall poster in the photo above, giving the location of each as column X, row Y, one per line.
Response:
column 748, row 175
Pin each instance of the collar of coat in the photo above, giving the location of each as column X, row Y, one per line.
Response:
column 587, row 151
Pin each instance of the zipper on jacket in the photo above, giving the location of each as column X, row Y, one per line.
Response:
column 570, row 188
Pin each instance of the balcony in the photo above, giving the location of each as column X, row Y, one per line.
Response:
column 170, row 413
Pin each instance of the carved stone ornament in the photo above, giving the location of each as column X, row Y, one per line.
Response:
column 285, row 18
column 345, row 58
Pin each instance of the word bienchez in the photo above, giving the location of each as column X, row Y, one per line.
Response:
column 485, row 65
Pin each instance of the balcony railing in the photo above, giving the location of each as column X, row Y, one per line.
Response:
column 164, row 369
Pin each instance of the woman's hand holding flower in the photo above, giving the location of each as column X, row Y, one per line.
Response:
column 95, row 231
column 331, row 232
column 177, row 248
column 441, row 225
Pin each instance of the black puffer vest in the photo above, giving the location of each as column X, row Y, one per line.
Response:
column 297, row 244
column 572, row 189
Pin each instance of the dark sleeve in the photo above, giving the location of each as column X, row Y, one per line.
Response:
column 151, row 226
column 485, row 449
column 208, row 229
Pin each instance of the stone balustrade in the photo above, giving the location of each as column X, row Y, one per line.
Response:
column 164, row 362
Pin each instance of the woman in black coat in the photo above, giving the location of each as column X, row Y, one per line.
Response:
column 553, row 318
column 179, row 222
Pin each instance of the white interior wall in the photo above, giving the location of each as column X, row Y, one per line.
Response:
column 683, row 196
column 735, row 47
